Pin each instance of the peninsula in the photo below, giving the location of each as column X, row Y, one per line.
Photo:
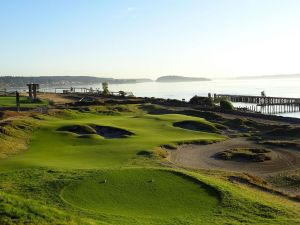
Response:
column 180, row 79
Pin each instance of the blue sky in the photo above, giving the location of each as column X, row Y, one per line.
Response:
column 120, row 38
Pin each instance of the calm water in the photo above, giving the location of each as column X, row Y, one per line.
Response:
column 273, row 87
column 289, row 87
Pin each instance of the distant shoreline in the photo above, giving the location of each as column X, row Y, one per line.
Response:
column 172, row 79
column 287, row 76
column 18, row 82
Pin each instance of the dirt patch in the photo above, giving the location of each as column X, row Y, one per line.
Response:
column 245, row 154
column 203, row 156
column 55, row 98
column 196, row 126
column 104, row 131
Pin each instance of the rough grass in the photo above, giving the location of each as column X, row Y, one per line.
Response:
column 17, row 210
column 284, row 132
column 282, row 143
column 288, row 180
column 197, row 126
column 14, row 135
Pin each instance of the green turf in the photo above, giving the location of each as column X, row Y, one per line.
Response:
column 142, row 193
column 8, row 101
column 68, row 178
column 50, row 147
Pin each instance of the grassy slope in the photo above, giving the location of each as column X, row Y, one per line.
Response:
column 15, row 135
column 171, row 199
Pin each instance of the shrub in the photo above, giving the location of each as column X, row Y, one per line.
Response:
column 226, row 105
column 202, row 101
column 122, row 93
column 105, row 88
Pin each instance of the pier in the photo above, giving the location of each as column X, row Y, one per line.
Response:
column 264, row 104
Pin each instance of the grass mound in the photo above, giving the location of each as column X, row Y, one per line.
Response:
column 78, row 129
column 88, row 130
column 17, row 210
column 282, row 143
column 14, row 136
column 245, row 154
column 238, row 124
column 196, row 126
column 284, row 132
column 142, row 193
column 287, row 180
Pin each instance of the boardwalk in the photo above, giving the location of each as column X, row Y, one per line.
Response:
column 263, row 104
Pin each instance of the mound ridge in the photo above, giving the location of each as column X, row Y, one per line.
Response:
column 196, row 126
column 78, row 129
column 104, row 131
column 284, row 132
column 245, row 154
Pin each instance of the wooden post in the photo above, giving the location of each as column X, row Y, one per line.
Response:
column 34, row 89
column 18, row 101
column 30, row 91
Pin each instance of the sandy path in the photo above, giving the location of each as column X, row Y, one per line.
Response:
column 201, row 156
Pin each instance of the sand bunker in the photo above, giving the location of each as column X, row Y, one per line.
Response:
column 111, row 132
column 203, row 156
column 104, row 131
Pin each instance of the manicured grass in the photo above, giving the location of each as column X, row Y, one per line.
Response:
column 50, row 147
column 143, row 193
column 8, row 101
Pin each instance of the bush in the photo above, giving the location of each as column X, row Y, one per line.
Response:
column 122, row 93
column 226, row 105
column 105, row 89
column 202, row 101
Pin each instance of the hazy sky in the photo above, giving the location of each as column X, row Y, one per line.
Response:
column 120, row 38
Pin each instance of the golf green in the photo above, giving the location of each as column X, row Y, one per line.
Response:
column 142, row 192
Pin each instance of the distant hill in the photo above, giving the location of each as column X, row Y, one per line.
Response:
column 180, row 79
column 11, row 81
